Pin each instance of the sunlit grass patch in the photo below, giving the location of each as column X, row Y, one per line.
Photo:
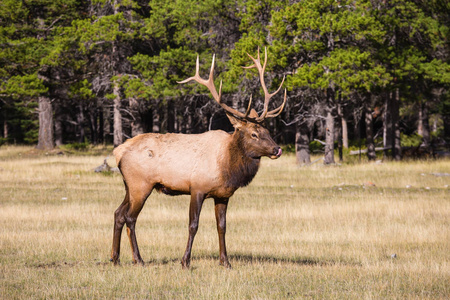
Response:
column 346, row 231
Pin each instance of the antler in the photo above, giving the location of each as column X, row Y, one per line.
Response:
column 217, row 96
column 273, row 113
column 209, row 83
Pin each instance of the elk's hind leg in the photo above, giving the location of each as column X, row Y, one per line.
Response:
column 127, row 213
column 119, row 221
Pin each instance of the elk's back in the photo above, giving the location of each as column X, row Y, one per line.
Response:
column 178, row 162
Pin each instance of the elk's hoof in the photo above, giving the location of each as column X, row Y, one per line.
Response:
column 138, row 263
column 185, row 264
column 225, row 264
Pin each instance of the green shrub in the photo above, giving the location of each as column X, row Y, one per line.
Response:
column 76, row 146
column 413, row 140
column 315, row 147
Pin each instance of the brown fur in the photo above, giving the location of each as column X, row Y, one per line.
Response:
column 208, row 165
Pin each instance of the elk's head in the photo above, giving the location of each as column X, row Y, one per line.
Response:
column 249, row 131
column 254, row 138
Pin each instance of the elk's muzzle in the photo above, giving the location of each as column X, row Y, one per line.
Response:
column 276, row 153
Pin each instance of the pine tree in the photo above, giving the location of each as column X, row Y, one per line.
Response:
column 326, row 44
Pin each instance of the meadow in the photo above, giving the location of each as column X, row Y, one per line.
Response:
column 349, row 231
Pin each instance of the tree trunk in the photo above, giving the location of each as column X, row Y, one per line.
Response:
column 170, row 116
column 162, row 115
column 137, row 126
column 101, row 125
column 344, row 132
column 396, row 126
column 118, row 130
column 339, row 144
column 423, row 127
column 371, row 155
column 93, row 124
column 156, row 120
column 329, row 139
column 45, row 138
column 387, row 126
column 446, row 120
column 356, row 125
column 302, row 145
column 189, row 123
column 339, row 132
column 5, row 127
column 148, row 120
column 58, row 134
column 80, row 123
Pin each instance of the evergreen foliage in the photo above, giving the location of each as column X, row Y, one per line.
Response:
column 340, row 58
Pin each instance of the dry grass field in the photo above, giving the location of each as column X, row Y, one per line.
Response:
column 354, row 231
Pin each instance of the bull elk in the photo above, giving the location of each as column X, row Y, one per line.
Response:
column 213, row 164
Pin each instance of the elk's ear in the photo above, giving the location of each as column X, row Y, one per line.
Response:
column 237, row 123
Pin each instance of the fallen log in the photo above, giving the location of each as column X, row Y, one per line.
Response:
column 356, row 152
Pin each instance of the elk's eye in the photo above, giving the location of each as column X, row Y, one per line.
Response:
column 254, row 135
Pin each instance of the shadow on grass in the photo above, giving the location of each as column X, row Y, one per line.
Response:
column 251, row 260
column 263, row 259
column 234, row 258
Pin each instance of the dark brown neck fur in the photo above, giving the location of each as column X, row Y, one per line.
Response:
column 239, row 168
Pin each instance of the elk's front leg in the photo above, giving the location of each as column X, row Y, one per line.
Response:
column 221, row 220
column 195, row 208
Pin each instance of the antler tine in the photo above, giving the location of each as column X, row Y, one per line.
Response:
column 267, row 95
column 248, row 108
column 277, row 111
column 211, row 87
column 196, row 76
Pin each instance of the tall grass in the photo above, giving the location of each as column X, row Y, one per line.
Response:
column 372, row 231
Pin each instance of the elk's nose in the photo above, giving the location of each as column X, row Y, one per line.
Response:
column 277, row 151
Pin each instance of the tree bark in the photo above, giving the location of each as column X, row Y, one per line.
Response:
column 80, row 123
column 339, row 132
column 387, row 126
column 45, row 138
column 446, row 119
column 58, row 133
column 118, row 130
column 93, row 124
column 170, row 116
column 329, row 139
column 371, row 155
column 423, row 127
column 302, row 144
column 156, row 127
column 5, row 127
column 137, row 126
column 101, row 125
column 344, row 132
column 396, row 126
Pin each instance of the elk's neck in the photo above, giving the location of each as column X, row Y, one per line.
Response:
column 238, row 168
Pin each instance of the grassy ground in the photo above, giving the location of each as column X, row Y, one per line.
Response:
column 361, row 231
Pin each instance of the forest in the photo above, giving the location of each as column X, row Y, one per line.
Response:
column 359, row 74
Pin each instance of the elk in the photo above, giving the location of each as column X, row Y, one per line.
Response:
column 213, row 164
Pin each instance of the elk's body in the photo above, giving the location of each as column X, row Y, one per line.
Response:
column 208, row 165
column 180, row 163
